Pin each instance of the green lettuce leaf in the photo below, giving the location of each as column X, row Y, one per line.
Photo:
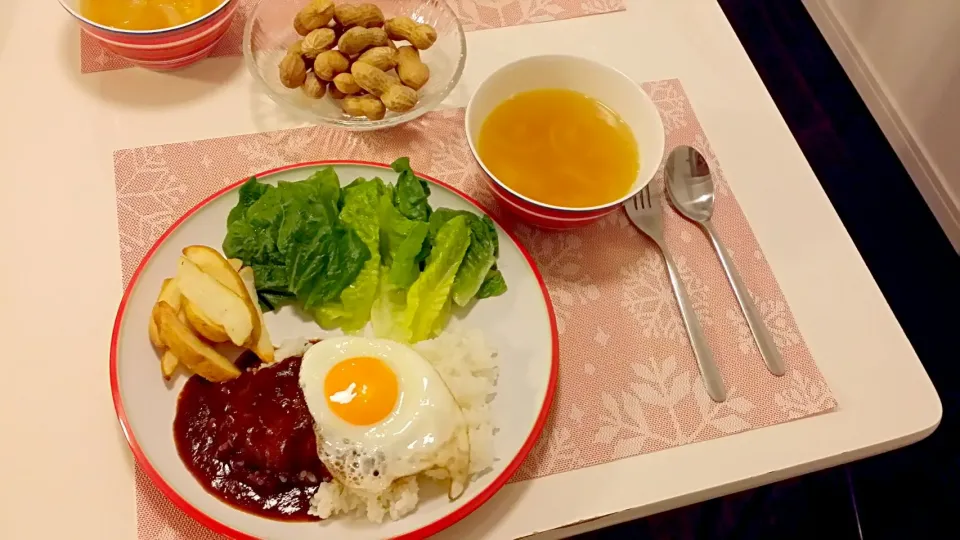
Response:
column 359, row 214
column 321, row 255
column 429, row 295
column 401, row 242
column 410, row 195
column 441, row 216
column 252, row 235
column 480, row 257
column 477, row 262
column 394, row 227
column 249, row 192
column 388, row 309
column 323, row 185
column 493, row 285
column 406, row 261
column 320, row 270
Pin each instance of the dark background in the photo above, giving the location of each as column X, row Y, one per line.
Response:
column 912, row 493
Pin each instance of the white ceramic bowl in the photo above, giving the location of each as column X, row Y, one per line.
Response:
column 614, row 89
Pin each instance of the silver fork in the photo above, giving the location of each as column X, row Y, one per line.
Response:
column 645, row 213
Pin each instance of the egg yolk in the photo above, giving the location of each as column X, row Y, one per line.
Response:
column 361, row 391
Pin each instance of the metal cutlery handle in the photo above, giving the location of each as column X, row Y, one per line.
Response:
column 768, row 349
column 712, row 379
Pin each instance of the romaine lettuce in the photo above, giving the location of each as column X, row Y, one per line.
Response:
column 294, row 227
column 360, row 214
column 429, row 295
column 478, row 260
column 365, row 252
column 480, row 257
column 401, row 241
column 493, row 285
column 410, row 195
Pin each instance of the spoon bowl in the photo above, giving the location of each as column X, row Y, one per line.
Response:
column 690, row 183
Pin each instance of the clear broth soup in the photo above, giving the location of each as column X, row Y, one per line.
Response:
column 560, row 147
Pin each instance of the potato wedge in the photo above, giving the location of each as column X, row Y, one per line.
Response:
column 168, row 364
column 201, row 323
column 154, row 333
column 169, row 293
column 263, row 348
column 236, row 316
column 211, row 262
column 236, row 264
column 189, row 349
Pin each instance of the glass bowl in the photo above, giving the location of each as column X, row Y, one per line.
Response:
column 269, row 31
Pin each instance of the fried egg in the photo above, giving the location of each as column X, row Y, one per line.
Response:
column 382, row 413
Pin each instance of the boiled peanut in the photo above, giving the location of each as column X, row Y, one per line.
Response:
column 393, row 76
column 329, row 64
column 299, row 27
column 317, row 41
column 293, row 71
column 394, row 95
column 335, row 92
column 365, row 105
column 365, row 15
column 412, row 71
column 345, row 83
column 314, row 15
column 314, row 87
column 371, row 79
column 358, row 39
column 421, row 36
column 296, row 48
column 383, row 58
column 399, row 98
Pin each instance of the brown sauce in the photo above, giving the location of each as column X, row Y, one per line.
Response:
column 250, row 441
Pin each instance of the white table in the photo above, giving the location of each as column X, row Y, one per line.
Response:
column 67, row 470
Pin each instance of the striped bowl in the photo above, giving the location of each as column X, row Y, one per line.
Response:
column 609, row 86
column 165, row 49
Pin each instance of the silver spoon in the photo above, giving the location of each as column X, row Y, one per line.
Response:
column 690, row 186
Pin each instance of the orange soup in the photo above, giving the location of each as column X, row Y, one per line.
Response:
column 146, row 14
column 560, row 147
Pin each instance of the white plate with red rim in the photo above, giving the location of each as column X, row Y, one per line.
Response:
column 519, row 324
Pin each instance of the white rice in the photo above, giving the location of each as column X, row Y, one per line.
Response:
column 469, row 368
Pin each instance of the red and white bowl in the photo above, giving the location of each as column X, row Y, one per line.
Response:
column 604, row 83
column 165, row 49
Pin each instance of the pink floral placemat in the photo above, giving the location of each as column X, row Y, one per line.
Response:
column 628, row 383
column 474, row 15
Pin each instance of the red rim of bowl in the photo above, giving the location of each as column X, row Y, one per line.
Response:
column 423, row 532
column 159, row 31
column 493, row 177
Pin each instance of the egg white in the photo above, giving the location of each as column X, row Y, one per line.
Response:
column 425, row 431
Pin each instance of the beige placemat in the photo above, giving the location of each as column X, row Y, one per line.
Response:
column 628, row 383
column 474, row 15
